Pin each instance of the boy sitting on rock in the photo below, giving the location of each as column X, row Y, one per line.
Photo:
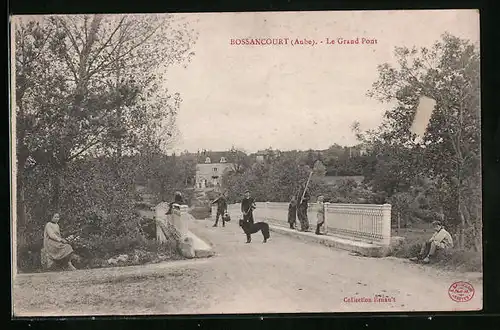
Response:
column 441, row 239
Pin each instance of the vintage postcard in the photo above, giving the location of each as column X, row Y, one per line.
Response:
column 236, row 163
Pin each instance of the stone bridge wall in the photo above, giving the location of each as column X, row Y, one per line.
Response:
column 173, row 225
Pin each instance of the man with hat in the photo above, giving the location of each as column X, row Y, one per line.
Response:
column 303, row 199
column 221, row 209
column 247, row 207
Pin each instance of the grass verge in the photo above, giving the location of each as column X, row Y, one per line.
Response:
column 453, row 259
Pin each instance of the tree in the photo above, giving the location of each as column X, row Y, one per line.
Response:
column 449, row 152
column 319, row 168
column 240, row 160
column 310, row 158
column 89, row 84
column 89, row 94
column 271, row 181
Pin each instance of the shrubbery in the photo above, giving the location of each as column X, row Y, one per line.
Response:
column 98, row 205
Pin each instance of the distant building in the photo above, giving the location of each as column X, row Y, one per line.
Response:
column 264, row 155
column 260, row 156
column 210, row 169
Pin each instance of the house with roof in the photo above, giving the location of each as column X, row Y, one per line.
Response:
column 210, row 168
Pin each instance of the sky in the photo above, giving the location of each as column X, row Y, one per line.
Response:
column 294, row 97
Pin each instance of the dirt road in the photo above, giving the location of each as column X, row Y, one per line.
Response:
column 284, row 275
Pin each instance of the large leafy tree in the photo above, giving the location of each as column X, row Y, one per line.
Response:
column 449, row 152
column 274, row 180
column 91, row 86
column 239, row 159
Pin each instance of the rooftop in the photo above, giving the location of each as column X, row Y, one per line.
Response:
column 215, row 157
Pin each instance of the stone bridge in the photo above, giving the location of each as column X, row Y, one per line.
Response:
column 360, row 228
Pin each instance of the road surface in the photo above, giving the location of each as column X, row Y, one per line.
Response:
column 285, row 275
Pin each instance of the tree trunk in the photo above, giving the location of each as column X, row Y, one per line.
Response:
column 478, row 239
column 56, row 189
column 473, row 221
column 22, row 156
column 56, row 192
column 462, row 235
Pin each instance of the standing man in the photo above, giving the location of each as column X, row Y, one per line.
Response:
column 302, row 210
column 247, row 207
column 221, row 209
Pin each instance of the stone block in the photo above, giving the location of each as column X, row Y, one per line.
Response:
column 201, row 248
column 186, row 248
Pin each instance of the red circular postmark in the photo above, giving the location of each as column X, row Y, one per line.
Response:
column 461, row 291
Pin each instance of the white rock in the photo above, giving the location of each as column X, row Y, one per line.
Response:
column 112, row 261
column 122, row 257
column 186, row 248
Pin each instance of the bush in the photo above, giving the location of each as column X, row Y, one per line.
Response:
column 106, row 247
column 148, row 228
column 96, row 250
column 99, row 205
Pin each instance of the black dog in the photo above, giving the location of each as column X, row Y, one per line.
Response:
column 252, row 228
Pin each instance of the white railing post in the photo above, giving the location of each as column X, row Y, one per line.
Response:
column 183, row 221
column 386, row 224
column 174, row 218
column 214, row 211
column 178, row 220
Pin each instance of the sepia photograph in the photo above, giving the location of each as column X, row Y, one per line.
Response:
column 245, row 163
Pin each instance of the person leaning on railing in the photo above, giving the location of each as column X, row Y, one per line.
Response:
column 292, row 212
column 440, row 240
column 321, row 215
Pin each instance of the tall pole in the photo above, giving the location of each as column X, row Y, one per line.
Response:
column 305, row 189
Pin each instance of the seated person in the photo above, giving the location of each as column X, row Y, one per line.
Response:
column 441, row 239
column 177, row 200
column 56, row 250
